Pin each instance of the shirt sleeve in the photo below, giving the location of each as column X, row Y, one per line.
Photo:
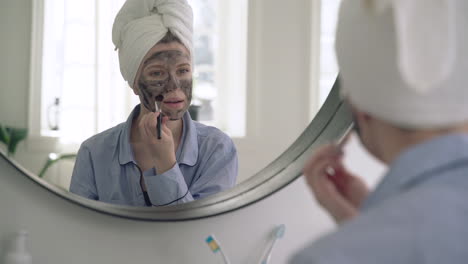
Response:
column 83, row 182
column 168, row 188
column 217, row 171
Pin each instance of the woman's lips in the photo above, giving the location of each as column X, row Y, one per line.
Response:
column 174, row 104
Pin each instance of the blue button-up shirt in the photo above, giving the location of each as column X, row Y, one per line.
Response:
column 106, row 170
column 417, row 214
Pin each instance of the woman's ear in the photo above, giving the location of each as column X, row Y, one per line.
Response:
column 365, row 117
column 360, row 116
column 135, row 89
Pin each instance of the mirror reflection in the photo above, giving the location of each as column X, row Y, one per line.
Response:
column 237, row 97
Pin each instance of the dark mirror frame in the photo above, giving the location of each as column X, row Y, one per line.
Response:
column 332, row 122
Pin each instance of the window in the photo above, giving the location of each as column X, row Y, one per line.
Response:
column 77, row 89
column 324, row 67
column 220, row 44
column 328, row 64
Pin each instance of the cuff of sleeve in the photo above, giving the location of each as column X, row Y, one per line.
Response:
column 167, row 187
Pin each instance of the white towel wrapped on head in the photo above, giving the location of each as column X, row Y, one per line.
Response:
column 140, row 24
column 405, row 61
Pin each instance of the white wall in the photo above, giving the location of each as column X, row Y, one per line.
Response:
column 15, row 28
column 15, row 20
column 62, row 232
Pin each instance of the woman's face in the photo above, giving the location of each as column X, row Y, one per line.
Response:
column 165, row 77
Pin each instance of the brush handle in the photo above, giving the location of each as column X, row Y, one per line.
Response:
column 268, row 253
column 225, row 258
column 158, row 125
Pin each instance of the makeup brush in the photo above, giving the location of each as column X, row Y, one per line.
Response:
column 339, row 146
column 344, row 138
column 159, row 121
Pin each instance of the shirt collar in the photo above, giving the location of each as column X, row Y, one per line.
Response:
column 187, row 152
column 415, row 163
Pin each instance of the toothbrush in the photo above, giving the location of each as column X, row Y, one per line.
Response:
column 158, row 124
column 215, row 247
column 278, row 233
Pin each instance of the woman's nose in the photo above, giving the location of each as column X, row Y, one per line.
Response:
column 173, row 83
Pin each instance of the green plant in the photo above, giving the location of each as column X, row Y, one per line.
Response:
column 54, row 158
column 11, row 136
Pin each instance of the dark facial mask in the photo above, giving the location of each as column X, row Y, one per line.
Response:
column 160, row 76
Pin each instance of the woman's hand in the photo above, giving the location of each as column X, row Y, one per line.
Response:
column 161, row 151
column 336, row 189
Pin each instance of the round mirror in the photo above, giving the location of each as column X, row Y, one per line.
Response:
column 255, row 78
